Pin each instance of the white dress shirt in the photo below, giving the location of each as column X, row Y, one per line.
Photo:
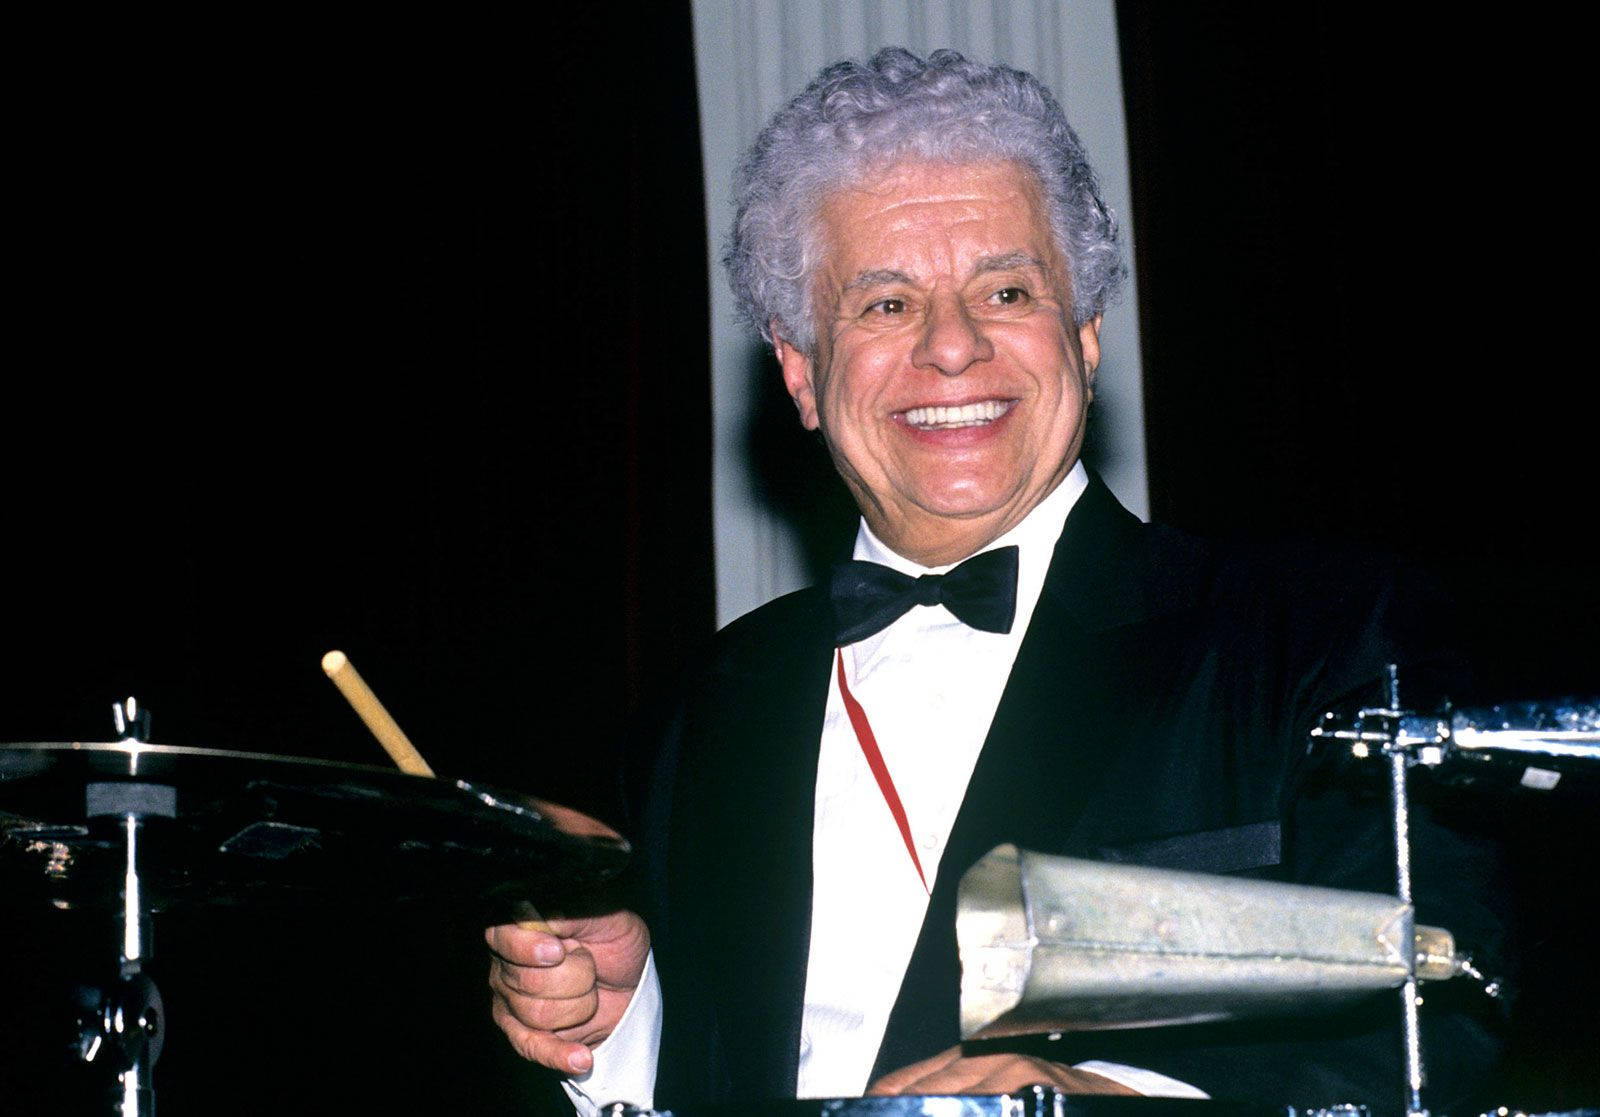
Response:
column 930, row 686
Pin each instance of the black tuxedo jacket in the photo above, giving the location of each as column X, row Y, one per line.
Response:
column 1157, row 712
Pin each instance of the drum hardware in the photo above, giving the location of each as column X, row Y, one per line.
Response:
column 1033, row 1101
column 125, row 1030
column 1053, row 944
column 1036, row 1101
column 1400, row 816
column 1544, row 741
column 1535, row 745
column 134, row 829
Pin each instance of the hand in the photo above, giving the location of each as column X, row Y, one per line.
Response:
column 950, row 1072
column 558, row 994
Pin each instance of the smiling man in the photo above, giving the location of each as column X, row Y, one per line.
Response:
column 947, row 374
column 1009, row 657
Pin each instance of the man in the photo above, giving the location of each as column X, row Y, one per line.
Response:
column 923, row 244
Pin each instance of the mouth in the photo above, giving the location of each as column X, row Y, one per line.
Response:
column 953, row 418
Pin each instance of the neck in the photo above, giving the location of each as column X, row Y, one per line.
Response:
column 943, row 552
column 931, row 541
column 942, row 541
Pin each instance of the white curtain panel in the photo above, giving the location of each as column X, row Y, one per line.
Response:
column 751, row 56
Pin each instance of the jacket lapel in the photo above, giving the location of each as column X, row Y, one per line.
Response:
column 1053, row 735
column 755, row 827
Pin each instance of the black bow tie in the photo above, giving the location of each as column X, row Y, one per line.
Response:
column 981, row 592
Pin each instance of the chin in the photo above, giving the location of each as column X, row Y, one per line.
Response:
column 969, row 495
column 966, row 506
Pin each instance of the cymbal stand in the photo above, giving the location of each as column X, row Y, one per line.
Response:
column 124, row 1033
column 1380, row 729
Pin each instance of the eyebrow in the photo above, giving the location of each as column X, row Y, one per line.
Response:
column 1008, row 262
column 984, row 264
column 876, row 277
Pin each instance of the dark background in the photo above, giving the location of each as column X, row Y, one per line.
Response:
column 392, row 339
column 1360, row 323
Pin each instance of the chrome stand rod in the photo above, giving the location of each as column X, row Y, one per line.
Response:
column 138, row 1092
column 1410, row 1023
column 123, row 1036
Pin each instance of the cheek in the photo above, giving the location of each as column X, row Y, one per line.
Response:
column 855, row 384
column 834, row 410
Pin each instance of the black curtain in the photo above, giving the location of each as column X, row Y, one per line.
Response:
column 378, row 337
column 1360, row 325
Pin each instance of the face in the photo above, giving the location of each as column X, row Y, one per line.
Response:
column 948, row 379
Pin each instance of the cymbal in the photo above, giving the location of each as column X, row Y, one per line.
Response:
column 253, row 828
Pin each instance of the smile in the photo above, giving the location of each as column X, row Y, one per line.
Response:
column 950, row 418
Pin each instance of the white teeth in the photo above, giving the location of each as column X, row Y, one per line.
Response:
column 949, row 418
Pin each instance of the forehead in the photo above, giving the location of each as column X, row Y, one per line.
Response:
column 933, row 218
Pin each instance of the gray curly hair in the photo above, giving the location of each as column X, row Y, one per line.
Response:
column 856, row 117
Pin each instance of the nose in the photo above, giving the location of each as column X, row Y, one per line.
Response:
column 952, row 340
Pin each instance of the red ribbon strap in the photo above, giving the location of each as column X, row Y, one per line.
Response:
column 880, row 770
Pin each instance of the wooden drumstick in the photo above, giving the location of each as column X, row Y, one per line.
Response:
column 337, row 666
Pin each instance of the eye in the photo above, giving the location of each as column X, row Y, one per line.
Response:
column 887, row 306
column 1009, row 296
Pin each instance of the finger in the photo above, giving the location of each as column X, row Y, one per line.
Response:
column 548, row 1005
column 574, row 977
column 605, row 928
column 563, row 996
column 541, row 1047
column 951, row 1072
column 1008, row 1076
column 549, row 1015
column 523, row 947
column 963, row 1076
column 1004, row 1073
column 948, row 1079
column 897, row 1081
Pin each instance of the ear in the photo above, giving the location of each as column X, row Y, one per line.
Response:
column 1089, row 342
column 1089, row 345
column 797, row 378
